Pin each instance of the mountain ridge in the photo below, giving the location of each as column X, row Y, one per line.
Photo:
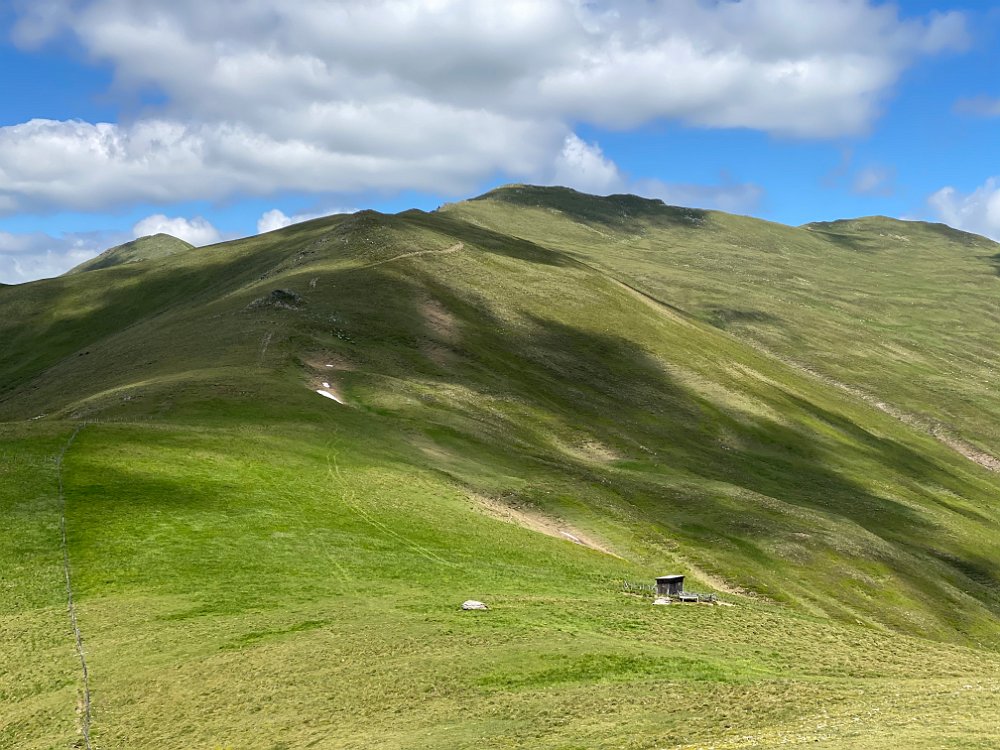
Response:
column 304, row 449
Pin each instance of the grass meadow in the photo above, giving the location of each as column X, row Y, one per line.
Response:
column 255, row 566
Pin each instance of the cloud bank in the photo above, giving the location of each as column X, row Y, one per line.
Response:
column 260, row 96
column 35, row 255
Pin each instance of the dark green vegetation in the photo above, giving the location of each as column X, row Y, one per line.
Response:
column 256, row 566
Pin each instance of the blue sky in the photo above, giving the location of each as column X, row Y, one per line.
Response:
column 213, row 119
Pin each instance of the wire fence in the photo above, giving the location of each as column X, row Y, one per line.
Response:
column 632, row 587
column 70, row 606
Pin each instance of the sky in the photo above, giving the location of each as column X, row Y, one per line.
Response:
column 216, row 119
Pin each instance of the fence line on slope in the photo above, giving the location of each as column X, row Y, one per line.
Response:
column 71, row 607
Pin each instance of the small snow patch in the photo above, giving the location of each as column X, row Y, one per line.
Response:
column 326, row 385
column 473, row 604
column 327, row 394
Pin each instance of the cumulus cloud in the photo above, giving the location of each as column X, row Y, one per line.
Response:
column 198, row 231
column 583, row 166
column 978, row 211
column 321, row 96
column 34, row 255
column 56, row 164
column 276, row 219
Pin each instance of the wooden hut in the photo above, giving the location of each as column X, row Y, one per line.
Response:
column 672, row 585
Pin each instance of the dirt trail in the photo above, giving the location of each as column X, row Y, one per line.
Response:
column 536, row 521
column 84, row 708
column 453, row 249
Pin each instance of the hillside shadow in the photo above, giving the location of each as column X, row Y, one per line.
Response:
column 855, row 243
column 58, row 330
column 620, row 385
column 993, row 260
column 904, row 459
column 727, row 317
column 610, row 387
column 609, row 212
column 966, row 239
column 633, row 395
column 136, row 528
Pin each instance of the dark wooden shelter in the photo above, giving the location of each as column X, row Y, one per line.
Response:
column 670, row 585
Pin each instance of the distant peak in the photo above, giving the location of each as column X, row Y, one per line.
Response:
column 881, row 225
column 612, row 209
column 149, row 247
column 542, row 194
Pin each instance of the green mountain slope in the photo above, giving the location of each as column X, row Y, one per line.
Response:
column 256, row 565
column 904, row 313
column 152, row 247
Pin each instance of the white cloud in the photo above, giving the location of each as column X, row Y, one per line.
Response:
column 813, row 68
column 438, row 95
column 583, row 166
column 274, row 219
column 34, row 255
column 55, row 164
column 977, row 212
column 198, row 231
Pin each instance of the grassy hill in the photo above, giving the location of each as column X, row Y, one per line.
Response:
column 904, row 313
column 151, row 247
column 542, row 400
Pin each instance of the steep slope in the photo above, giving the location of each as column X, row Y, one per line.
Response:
column 151, row 247
column 252, row 560
column 904, row 313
